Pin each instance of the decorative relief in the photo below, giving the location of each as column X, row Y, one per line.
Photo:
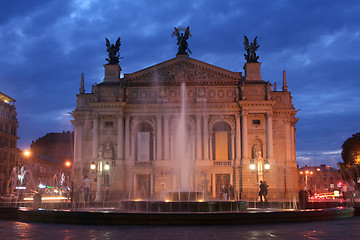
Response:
column 173, row 93
column 212, row 93
column 220, row 93
column 107, row 152
column 190, row 93
column 143, row 94
column 230, row 93
column 182, row 71
column 134, row 94
column 278, row 99
column 200, row 92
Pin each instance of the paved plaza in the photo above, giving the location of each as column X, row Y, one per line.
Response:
column 332, row 229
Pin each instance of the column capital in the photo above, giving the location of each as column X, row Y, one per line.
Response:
column 78, row 122
column 269, row 114
column 95, row 115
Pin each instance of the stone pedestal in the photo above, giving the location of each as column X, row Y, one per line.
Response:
column 252, row 71
column 112, row 73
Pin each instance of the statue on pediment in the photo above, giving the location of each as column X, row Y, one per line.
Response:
column 113, row 51
column 251, row 49
column 182, row 39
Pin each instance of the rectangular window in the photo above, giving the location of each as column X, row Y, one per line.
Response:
column 143, row 153
column 108, row 124
column 256, row 122
column 221, row 146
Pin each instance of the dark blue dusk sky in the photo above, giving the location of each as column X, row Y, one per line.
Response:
column 45, row 45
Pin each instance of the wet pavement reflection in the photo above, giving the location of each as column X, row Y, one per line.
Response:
column 333, row 229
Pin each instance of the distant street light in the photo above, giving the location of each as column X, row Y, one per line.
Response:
column 68, row 164
column 307, row 172
column 27, row 153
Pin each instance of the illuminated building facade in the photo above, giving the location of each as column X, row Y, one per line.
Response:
column 320, row 179
column 240, row 129
column 8, row 140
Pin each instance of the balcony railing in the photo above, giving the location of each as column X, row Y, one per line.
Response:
column 222, row 163
column 143, row 164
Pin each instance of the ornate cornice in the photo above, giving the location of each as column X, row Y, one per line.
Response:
column 180, row 69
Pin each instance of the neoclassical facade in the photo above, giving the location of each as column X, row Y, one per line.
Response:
column 240, row 130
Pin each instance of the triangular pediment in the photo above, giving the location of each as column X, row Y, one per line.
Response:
column 183, row 69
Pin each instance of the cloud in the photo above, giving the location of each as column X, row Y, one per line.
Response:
column 46, row 45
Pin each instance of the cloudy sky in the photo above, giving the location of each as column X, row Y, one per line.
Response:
column 45, row 45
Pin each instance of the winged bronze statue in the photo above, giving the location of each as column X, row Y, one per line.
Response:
column 182, row 39
column 113, row 51
column 251, row 50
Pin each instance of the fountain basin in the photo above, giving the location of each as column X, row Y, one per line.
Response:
column 111, row 217
column 180, row 206
column 184, row 196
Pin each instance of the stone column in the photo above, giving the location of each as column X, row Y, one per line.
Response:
column 287, row 139
column 244, row 140
column 206, row 136
column 127, row 137
column 158, row 137
column 153, row 147
column 78, row 141
column 293, row 140
column 198, row 137
column 269, row 137
column 133, row 154
column 95, row 152
column 166, row 137
column 120, row 137
column 288, row 150
column 211, row 146
column 237, row 138
column 232, row 146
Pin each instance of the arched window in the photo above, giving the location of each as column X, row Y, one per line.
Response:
column 221, row 141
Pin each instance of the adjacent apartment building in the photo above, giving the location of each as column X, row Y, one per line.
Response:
column 8, row 140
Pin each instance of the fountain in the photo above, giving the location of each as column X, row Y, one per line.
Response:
column 183, row 161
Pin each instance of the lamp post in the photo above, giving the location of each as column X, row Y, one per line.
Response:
column 262, row 166
column 100, row 171
column 306, row 173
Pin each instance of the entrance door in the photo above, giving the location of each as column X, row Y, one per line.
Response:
column 222, row 183
column 143, row 186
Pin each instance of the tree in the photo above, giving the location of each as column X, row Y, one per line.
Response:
column 350, row 168
column 351, row 150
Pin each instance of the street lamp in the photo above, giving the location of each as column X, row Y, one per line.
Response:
column 68, row 164
column 306, row 173
column 252, row 165
column 27, row 153
column 101, row 166
column 92, row 165
column 107, row 166
column 262, row 166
